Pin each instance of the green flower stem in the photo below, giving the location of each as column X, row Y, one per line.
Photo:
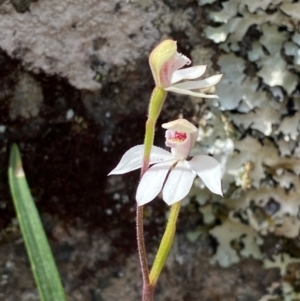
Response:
column 165, row 245
column 156, row 102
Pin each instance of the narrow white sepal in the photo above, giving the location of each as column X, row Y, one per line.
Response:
column 188, row 92
column 199, row 84
column 209, row 170
column 188, row 73
column 131, row 160
column 152, row 182
column 178, row 184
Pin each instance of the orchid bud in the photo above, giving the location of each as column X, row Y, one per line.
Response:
column 164, row 60
column 166, row 63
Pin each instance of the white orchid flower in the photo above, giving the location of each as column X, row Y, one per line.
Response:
column 172, row 172
column 165, row 63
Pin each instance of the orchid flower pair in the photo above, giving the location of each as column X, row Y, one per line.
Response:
column 172, row 172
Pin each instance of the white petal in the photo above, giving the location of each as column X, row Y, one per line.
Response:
column 178, row 184
column 188, row 92
column 209, row 170
column 152, row 182
column 132, row 159
column 159, row 155
column 199, row 84
column 187, row 73
column 178, row 61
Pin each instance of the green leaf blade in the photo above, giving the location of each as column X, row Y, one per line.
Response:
column 41, row 259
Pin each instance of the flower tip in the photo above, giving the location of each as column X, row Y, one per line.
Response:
column 180, row 125
column 170, row 203
column 162, row 52
column 141, row 201
column 114, row 172
column 217, row 77
column 220, row 193
column 159, row 56
column 221, row 75
column 217, row 190
column 164, row 45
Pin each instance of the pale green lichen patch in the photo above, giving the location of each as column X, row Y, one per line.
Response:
column 235, row 239
column 274, row 73
column 256, row 134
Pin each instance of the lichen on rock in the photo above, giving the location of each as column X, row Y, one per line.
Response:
column 259, row 55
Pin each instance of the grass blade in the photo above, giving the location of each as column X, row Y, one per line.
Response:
column 39, row 252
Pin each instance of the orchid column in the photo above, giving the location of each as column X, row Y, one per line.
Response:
column 171, row 168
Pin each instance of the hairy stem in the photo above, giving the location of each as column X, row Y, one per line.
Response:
column 142, row 251
column 156, row 102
